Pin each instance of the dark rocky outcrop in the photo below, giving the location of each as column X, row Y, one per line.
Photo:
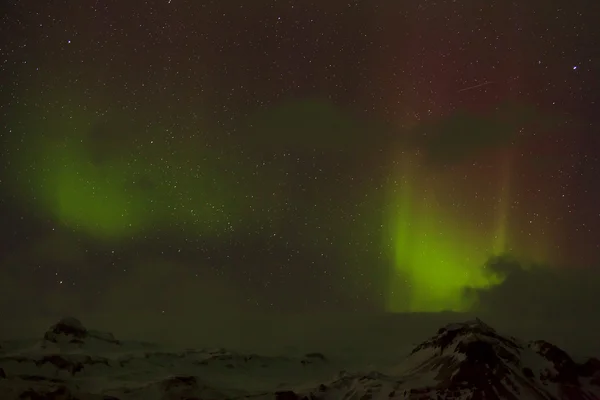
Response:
column 68, row 327
column 71, row 331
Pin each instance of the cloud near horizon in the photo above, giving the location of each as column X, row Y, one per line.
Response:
column 541, row 291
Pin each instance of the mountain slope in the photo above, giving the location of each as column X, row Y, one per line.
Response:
column 467, row 360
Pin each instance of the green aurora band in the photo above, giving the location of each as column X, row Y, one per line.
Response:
column 116, row 192
column 438, row 254
column 436, row 258
column 135, row 186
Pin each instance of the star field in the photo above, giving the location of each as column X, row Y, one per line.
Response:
column 294, row 155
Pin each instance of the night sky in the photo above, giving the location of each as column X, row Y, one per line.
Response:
column 298, row 156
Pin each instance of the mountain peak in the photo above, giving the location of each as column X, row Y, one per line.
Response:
column 464, row 332
column 474, row 358
column 464, row 360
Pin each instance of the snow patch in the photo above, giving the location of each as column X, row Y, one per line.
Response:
column 462, row 360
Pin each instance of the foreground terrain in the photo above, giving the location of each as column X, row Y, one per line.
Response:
column 467, row 360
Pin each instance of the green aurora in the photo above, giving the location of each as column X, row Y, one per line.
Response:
column 436, row 257
column 112, row 193
column 440, row 255
column 68, row 173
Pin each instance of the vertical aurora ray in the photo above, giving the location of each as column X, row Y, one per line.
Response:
column 437, row 256
column 400, row 231
column 519, row 229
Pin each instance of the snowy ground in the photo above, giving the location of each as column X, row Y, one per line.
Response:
column 337, row 358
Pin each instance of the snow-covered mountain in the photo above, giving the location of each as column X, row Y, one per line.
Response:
column 467, row 360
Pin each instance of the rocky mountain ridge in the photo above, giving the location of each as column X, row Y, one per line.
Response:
column 468, row 360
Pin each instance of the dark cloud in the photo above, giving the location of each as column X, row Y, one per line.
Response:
column 308, row 124
column 557, row 303
column 465, row 133
column 551, row 293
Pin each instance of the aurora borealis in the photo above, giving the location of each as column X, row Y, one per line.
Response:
column 291, row 157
